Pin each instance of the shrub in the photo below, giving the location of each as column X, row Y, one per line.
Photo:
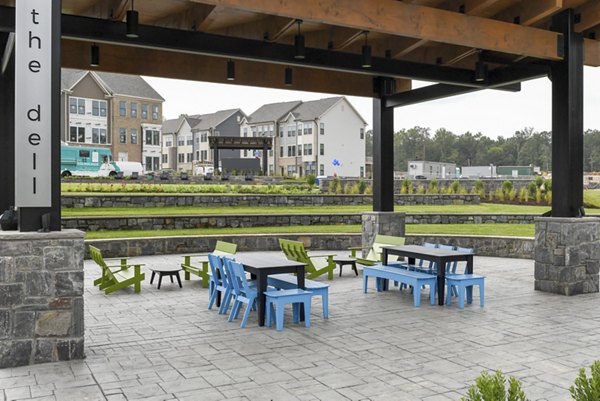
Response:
column 454, row 187
column 539, row 181
column 523, row 195
column 532, row 189
column 335, row 185
column 311, row 179
column 512, row 194
column 493, row 388
column 406, row 187
column 499, row 194
column 421, row 190
column 548, row 185
column 433, row 187
column 507, row 186
column 549, row 197
column 538, row 196
column 479, row 188
column 587, row 389
column 362, row 186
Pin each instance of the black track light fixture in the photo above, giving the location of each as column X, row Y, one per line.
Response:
column 289, row 76
column 299, row 43
column 231, row 70
column 480, row 68
column 132, row 23
column 94, row 56
column 366, row 53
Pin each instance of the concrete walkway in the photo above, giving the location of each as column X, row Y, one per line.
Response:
column 165, row 345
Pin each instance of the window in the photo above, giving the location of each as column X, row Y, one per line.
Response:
column 281, row 151
column 245, row 152
column 77, row 134
column 322, row 149
column 103, row 136
column 95, row 108
column 133, row 134
column 169, row 141
column 144, row 111
column 245, row 131
column 73, row 105
column 300, row 150
column 362, row 172
column 80, row 106
column 190, row 140
column 291, row 151
column 270, row 152
column 133, row 111
column 281, row 129
column 165, row 158
column 322, row 128
column 271, row 130
column 103, row 106
column 362, row 133
column 321, row 169
column 254, row 131
column 291, row 170
column 308, row 129
column 291, row 130
column 122, row 135
column 123, row 109
column 180, row 157
column 300, row 129
column 204, row 155
column 155, row 112
column 180, row 141
column 190, row 157
column 152, row 163
column 204, row 137
column 153, row 137
column 95, row 135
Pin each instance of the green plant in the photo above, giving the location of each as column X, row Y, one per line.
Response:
column 406, row 187
column 493, row 388
column 433, row 187
column 499, row 194
column 532, row 188
column 549, row 197
column 548, row 185
column 538, row 196
column 539, row 181
column 507, row 186
column 455, row 187
column 311, row 179
column 523, row 195
column 421, row 190
column 512, row 194
column 587, row 389
column 362, row 186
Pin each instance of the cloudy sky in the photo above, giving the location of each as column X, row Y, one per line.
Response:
column 493, row 113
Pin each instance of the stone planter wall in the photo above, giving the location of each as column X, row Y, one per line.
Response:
column 490, row 184
column 233, row 221
column 41, row 297
column 153, row 200
column 505, row 247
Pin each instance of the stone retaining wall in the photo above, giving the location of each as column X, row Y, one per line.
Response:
column 505, row 247
column 41, row 297
column 490, row 184
column 259, row 200
column 233, row 221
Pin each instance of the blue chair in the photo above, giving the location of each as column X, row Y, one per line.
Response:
column 452, row 268
column 424, row 266
column 276, row 301
column 243, row 292
column 463, row 282
column 221, row 283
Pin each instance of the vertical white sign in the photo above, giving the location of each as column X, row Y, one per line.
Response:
column 33, row 98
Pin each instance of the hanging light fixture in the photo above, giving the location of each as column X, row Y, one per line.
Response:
column 289, row 76
column 94, row 56
column 299, row 43
column 366, row 53
column 132, row 22
column 480, row 68
column 230, row 70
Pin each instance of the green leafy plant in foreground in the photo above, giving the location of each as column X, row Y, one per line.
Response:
column 587, row 389
column 493, row 388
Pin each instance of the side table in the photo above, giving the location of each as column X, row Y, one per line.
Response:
column 345, row 260
column 165, row 271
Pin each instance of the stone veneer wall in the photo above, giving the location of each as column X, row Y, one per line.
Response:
column 41, row 297
column 273, row 220
column 505, row 247
column 161, row 200
column 567, row 255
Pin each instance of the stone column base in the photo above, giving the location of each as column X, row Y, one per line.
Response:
column 41, row 297
column 567, row 255
column 386, row 223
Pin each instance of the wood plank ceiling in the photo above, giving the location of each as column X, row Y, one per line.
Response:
column 443, row 39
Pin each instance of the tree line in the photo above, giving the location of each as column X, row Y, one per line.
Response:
column 525, row 147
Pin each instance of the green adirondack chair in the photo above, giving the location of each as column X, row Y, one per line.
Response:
column 222, row 248
column 116, row 277
column 316, row 265
column 374, row 255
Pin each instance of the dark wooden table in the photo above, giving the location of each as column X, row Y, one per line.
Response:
column 439, row 256
column 262, row 265
column 165, row 271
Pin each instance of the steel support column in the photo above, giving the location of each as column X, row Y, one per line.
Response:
column 383, row 148
column 216, row 159
column 567, row 120
column 265, row 161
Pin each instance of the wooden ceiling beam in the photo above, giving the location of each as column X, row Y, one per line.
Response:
column 195, row 67
column 114, row 10
column 188, row 19
column 531, row 12
column 397, row 18
column 591, row 52
column 589, row 14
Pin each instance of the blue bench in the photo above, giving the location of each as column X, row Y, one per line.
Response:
column 289, row 282
column 464, row 283
column 413, row 278
column 276, row 300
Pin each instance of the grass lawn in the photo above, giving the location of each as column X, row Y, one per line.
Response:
column 591, row 197
column 519, row 230
column 484, row 208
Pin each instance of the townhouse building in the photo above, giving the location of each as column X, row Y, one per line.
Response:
column 116, row 111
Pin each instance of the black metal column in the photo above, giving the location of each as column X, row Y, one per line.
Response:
column 216, row 159
column 7, row 129
column 265, row 161
column 567, row 120
column 383, row 148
